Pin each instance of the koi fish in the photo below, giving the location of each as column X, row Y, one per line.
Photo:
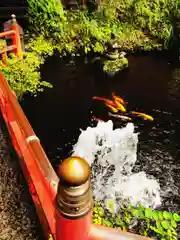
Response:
column 112, row 108
column 109, row 102
column 117, row 98
column 119, row 106
column 143, row 115
column 97, row 119
column 121, row 117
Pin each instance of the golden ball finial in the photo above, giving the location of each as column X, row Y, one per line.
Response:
column 74, row 171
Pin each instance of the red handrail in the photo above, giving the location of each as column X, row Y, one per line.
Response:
column 7, row 33
column 7, row 49
column 16, row 41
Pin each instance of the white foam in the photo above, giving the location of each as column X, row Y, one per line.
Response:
column 104, row 148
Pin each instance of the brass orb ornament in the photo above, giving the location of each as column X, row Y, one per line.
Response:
column 74, row 171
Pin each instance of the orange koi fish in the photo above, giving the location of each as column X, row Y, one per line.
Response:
column 119, row 106
column 112, row 108
column 121, row 117
column 109, row 102
column 143, row 115
column 117, row 98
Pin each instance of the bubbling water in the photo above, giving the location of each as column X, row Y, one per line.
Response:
column 112, row 155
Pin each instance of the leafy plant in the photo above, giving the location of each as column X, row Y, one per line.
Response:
column 142, row 24
column 144, row 221
column 24, row 75
column 115, row 65
column 2, row 44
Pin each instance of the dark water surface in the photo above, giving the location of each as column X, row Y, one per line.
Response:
column 151, row 85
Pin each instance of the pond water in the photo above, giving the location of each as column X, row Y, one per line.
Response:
column 151, row 84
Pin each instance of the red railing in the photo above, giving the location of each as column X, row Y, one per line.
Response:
column 16, row 41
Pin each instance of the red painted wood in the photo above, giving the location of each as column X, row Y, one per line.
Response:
column 68, row 229
column 8, row 33
column 9, row 48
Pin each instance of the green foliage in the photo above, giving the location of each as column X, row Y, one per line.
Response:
column 115, row 65
column 144, row 221
column 46, row 16
column 41, row 47
column 143, row 24
column 2, row 44
column 24, row 75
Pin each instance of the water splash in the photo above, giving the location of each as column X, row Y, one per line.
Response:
column 112, row 155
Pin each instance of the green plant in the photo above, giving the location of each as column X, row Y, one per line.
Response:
column 163, row 223
column 115, row 65
column 142, row 24
column 144, row 221
column 2, row 44
column 41, row 47
column 24, row 75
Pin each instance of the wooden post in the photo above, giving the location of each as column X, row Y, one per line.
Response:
column 74, row 200
column 16, row 38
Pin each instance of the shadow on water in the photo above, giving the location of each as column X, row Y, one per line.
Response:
column 149, row 85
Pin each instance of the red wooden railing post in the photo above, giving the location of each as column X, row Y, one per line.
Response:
column 16, row 37
column 74, row 200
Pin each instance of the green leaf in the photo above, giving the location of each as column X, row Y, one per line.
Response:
column 158, row 225
column 160, row 215
column 138, row 213
column 100, row 212
column 165, row 224
column 135, row 212
column 118, row 221
column 167, row 215
column 127, row 220
column 157, row 230
column 155, row 215
column 148, row 213
column 176, row 217
column 173, row 224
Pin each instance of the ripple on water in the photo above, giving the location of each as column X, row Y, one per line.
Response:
column 159, row 156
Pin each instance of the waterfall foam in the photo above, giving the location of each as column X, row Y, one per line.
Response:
column 112, row 155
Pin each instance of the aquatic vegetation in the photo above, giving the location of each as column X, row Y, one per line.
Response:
column 115, row 65
column 144, row 221
column 24, row 75
column 143, row 24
